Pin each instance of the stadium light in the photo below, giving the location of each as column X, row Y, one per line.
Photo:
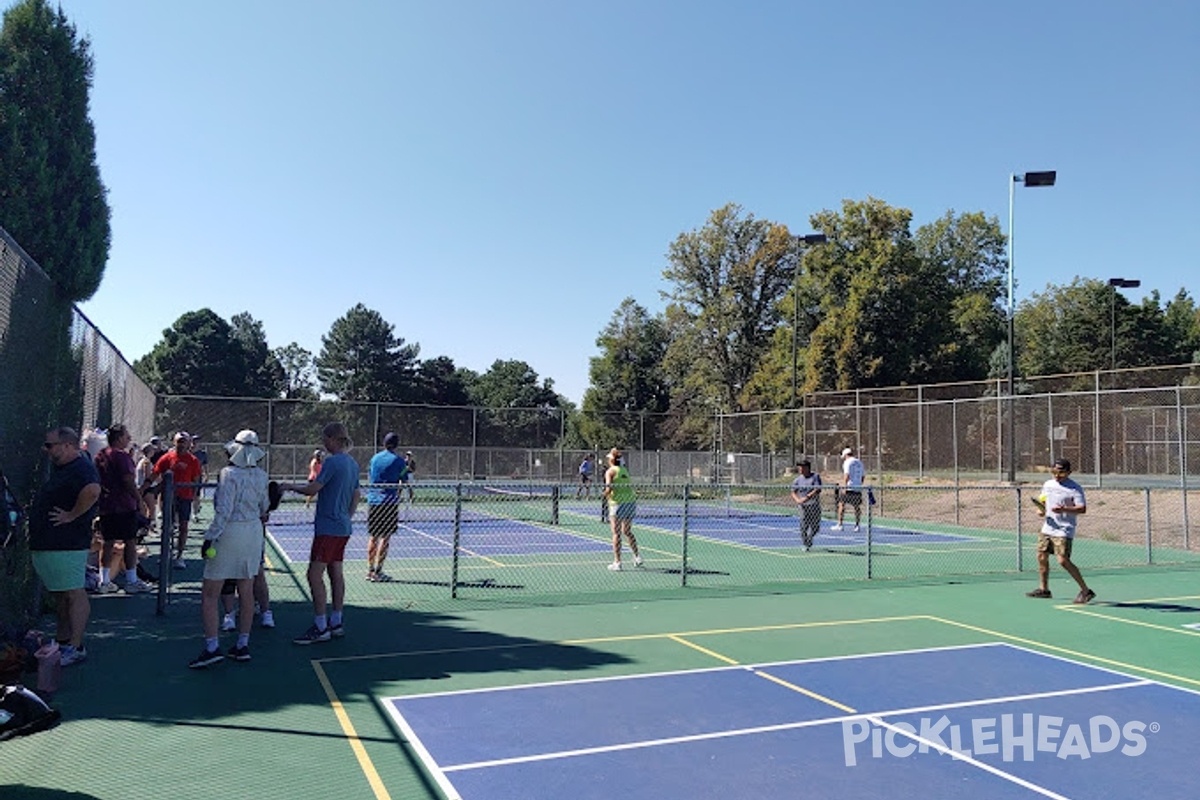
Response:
column 1033, row 179
column 1117, row 283
column 809, row 239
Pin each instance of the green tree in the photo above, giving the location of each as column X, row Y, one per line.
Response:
column 198, row 355
column 299, row 372
column 518, row 409
column 724, row 305
column 881, row 310
column 626, row 379
column 52, row 199
column 442, row 383
column 264, row 372
column 363, row 360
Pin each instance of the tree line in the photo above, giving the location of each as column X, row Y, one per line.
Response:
column 876, row 304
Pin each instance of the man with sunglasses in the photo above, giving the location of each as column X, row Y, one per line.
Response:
column 60, row 536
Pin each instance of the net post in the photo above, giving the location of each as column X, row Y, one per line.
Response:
column 1149, row 547
column 687, row 494
column 870, row 533
column 458, row 494
column 1020, row 543
column 167, row 534
column 555, row 494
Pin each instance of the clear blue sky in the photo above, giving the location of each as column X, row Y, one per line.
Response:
column 495, row 177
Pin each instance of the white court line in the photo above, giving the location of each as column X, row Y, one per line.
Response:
column 874, row 716
column 697, row 670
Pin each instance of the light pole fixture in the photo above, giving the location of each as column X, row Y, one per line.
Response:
column 1117, row 283
column 809, row 239
column 1031, row 179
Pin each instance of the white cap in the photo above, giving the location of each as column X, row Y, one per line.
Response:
column 847, row 452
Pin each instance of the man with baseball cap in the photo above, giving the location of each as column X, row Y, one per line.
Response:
column 384, row 475
column 853, row 475
column 806, row 492
column 1061, row 502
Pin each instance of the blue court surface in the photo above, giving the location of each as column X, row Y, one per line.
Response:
column 981, row 721
column 434, row 539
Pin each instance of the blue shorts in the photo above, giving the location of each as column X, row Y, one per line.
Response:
column 61, row 570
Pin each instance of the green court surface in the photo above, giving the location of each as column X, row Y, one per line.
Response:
column 309, row 722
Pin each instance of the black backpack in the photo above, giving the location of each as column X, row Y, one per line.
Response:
column 22, row 712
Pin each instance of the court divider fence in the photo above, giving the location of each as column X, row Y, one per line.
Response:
column 470, row 544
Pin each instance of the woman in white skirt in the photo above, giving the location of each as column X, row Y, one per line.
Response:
column 236, row 535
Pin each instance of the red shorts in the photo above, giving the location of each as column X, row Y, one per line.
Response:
column 328, row 549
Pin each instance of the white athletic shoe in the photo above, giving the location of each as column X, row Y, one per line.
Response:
column 856, row 529
column 637, row 561
column 836, row 528
column 229, row 623
column 615, row 566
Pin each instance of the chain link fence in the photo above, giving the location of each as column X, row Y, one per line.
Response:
column 1113, row 436
column 447, row 442
column 474, row 544
column 58, row 369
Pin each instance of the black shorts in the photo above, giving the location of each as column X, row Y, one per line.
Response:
column 120, row 527
column 852, row 497
column 382, row 519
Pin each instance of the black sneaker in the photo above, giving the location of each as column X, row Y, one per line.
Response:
column 312, row 635
column 240, row 653
column 337, row 631
column 206, row 659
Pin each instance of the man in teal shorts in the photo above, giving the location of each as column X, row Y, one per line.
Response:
column 60, row 536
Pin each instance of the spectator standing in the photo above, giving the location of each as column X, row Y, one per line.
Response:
column 806, row 492
column 120, row 503
column 183, row 465
column 383, row 503
column 338, row 495
column 236, row 535
column 60, row 536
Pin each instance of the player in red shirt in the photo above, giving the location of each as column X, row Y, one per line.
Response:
column 187, row 470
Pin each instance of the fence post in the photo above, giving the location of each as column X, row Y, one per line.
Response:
column 687, row 494
column 167, row 532
column 1181, row 429
column 458, row 490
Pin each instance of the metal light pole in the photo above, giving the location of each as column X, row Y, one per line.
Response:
column 1117, row 283
column 1045, row 178
column 810, row 239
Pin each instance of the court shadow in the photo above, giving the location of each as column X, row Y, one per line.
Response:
column 1174, row 608
column 21, row 792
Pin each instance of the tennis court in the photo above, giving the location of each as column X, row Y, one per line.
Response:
column 548, row 676
column 996, row 720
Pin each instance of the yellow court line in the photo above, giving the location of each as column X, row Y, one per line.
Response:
column 1075, row 653
column 360, row 752
column 1139, row 623
column 704, row 650
column 780, row 681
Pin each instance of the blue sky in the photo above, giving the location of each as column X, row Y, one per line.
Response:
column 495, row 176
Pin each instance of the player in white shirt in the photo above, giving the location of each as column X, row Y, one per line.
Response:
column 853, row 475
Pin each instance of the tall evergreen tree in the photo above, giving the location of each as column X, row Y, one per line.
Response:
column 52, row 200
column 363, row 360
